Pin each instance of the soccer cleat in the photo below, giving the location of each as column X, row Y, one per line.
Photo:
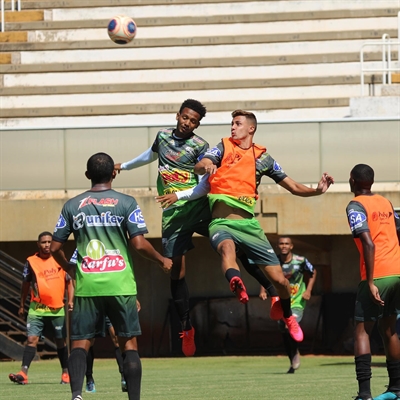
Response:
column 90, row 387
column 290, row 370
column 276, row 312
column 188, row 345
column 65, row 378
column 77, row 398
column 296, row 361
column 368, row 397
column 294, row 328
column 237, row 287
column 21, row 378
column 388, row 396
column 124, row 386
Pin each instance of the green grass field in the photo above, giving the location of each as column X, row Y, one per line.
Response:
column 205, row 378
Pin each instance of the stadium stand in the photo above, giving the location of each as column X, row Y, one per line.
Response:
column 288, row 57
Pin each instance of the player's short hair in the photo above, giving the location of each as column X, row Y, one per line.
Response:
column 249, row 116
column 45, row 233
column 363, row 173
column 100, row 168
column 195, row 106
column 285, row 237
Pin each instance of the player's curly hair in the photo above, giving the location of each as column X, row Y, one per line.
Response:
column 100, row 168
column 249, row 116
column 363, row 173
column 195, row 106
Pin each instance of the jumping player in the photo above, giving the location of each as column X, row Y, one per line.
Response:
column 236, row 166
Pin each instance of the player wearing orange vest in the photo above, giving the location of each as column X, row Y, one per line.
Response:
column 236, row 166
column 376, row 230
column 46, row 281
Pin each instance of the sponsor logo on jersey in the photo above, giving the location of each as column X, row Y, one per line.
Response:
column 277, row 167
column 215, row 151
column 104, row 219
column 381, row 215
column 48, row 274
column 61, row 223
column 174, row 176
column 198, row 140
column 74, row 257
column 396, row 215
column 356, row 219
column 107, row 263
column 107, row 202
column 136, row 217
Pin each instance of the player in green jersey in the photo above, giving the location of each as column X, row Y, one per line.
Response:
column 104, row 222
column 295, row 269
column 177, row 151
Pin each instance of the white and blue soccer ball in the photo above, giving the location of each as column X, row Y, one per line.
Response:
column 122, row 29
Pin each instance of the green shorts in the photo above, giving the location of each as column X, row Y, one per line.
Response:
column 37, row 325
column 248, row 237
column 180, row 223
column 389, row 290
column 88, row 318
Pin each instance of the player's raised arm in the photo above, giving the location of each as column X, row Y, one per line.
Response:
column 146, row 157
column 298, row 189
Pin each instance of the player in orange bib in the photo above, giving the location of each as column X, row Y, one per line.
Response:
column 46, row 281
column 376, row 231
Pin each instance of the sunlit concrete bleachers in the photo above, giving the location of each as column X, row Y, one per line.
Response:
column 288, row 57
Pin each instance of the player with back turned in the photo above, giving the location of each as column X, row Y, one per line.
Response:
column 104, row 222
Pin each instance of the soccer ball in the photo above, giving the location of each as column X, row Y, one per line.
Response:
column 121, row 29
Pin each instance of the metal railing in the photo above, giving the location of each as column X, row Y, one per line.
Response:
column 387, row 63
column 12, row 9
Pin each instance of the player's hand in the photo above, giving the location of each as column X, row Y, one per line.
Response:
column 306, row 295
column 21, row 312
column 117, row 167
column 167, row 265
column 138, row 306
column 210, row 169
column 376, row 298
column 166, row 200
column 325, row 182
column 70, row 306
column 263, row 296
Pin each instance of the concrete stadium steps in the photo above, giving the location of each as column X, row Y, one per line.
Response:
column 381, row 9
column 164, row 119
column 256, row 32
column 192, row 56
column 12, row 17
column 157, row 102
column 183, row 79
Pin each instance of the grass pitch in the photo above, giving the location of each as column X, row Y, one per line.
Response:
column 205, row 378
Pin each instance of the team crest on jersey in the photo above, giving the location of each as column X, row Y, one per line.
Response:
column 356, row 219
column 136, row 217
column 61, row 223
column 277, row 167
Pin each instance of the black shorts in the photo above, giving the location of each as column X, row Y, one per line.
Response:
column 88, row 317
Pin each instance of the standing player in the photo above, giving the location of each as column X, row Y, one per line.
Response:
column 294, row 268
column 376, row 231
column 102, row 220
column 236, row 166
column 47, row 282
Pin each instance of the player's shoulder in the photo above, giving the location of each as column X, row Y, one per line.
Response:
column 199, row 140
column 298, row 258
column 165, row 132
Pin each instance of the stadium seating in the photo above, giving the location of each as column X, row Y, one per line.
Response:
column 286, row 57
